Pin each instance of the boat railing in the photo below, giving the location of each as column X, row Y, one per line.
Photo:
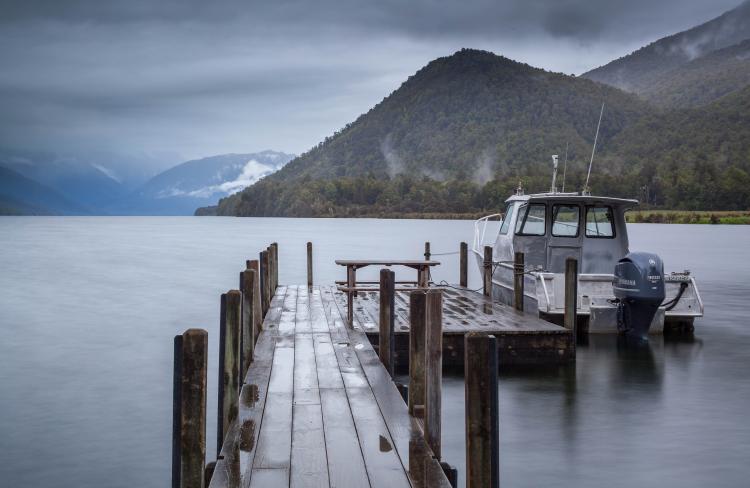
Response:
column 480, row 230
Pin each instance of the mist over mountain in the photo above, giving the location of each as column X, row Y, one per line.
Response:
column 182, row 189
column 680, row 70
column 22, row 196
column 461, row 133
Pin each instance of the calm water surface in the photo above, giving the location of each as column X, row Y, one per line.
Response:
column 89, row 306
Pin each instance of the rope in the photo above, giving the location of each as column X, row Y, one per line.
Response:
column 444, row 253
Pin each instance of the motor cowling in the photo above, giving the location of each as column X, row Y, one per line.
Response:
column 639, row 290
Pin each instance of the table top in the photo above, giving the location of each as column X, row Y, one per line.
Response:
column 385, row 262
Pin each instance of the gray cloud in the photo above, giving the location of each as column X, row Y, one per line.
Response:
column 201, row 78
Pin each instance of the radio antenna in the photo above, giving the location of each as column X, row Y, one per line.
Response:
column 565, row 166
column 593, row 151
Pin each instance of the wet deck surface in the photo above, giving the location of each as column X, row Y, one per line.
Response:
column 522, row 338
column 463, row 311
column 319, row 410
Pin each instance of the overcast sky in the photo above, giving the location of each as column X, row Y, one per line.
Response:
column 208, row 77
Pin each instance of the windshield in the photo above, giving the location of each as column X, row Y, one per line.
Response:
column 507, row 217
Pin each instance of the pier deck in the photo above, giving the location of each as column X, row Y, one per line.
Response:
column 318, row 409
column 522, row 338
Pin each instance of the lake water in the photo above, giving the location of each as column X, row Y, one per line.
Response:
column 89, row 307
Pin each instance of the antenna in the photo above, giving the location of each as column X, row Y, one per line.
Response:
column 565, row 166
column 593, row 150
column 553, row 188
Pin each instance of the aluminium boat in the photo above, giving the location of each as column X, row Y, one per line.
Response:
column 551, row 227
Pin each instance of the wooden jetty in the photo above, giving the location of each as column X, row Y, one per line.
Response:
column 306, row 396
column 522, row 339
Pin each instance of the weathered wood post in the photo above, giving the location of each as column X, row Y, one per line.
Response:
column 257, row 311
column 265, row 288
column 191, row 434
column 487, row 272
column 309, row 265
column 177, row 412
column 386, row 340
column 433, row 369
column 274, row 267
column 230, row 358
column 351, row 283
column 482, row 424
column 518, row 278
column 571, row 297
column 463, row 265
column 427, row 253
column 417, row 302
column 247, row 325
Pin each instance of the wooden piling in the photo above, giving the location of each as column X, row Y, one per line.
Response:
column 571, row 297
column 482, row 424
column 230, row 359
column 309, row 264
column 257, row 311
column 487, row 272
column 274, row 248
column 518, row 279
column 192, row 408
column 177, row 412
column 427, row 253
column 247, row 324
column 265, row 287
column 386, row 339
column 433, row 369
column 463, row 274
column 417, row 302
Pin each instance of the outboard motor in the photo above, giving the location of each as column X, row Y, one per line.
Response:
column 639, row 289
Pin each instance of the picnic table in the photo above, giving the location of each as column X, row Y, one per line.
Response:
column 352, row 265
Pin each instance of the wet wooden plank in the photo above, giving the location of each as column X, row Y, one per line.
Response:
column 270, row 478
column 346, row 466
column 309, row 462
column 274, row 441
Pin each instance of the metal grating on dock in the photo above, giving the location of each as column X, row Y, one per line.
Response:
column 318, row 409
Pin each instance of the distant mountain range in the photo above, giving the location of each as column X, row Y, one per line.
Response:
column 459, row 134
column 184, row 188
column 48, row 184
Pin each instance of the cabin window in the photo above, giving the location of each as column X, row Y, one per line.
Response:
column 565, row 220
column 600, row 222
column 531, row 220
column 506, row 218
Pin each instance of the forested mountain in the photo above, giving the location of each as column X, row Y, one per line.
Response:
column 470, row 117
column 703, row 80
column 460, row 134
column 639, row 71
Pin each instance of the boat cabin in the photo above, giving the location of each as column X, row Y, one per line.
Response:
column 551, row 227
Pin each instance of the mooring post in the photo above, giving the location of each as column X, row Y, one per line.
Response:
column 230, row 358
column 519, row 270
column 463, row 265
column 191, row 436
column 274, row 268
column 433, row 369
column 351, row 283
column 571, row 297
column 386, row 341
column 481, row 400
column 177, row 412
column 427, row 253
column 487, row 272
column 309, row 265
column 257, row 307
column 265, row 299
column 247, row 325
column 417, row 302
